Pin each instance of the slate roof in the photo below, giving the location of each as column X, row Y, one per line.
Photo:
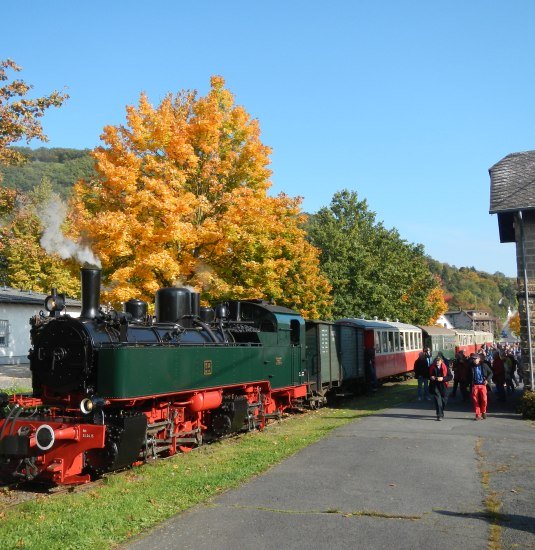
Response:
column 12, row 295
column 512, row 183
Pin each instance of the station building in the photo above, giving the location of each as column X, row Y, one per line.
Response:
column 17, row 307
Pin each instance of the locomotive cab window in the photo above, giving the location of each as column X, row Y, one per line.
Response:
column 295, row 332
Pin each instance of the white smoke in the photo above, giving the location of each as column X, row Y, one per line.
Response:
column 54, row 241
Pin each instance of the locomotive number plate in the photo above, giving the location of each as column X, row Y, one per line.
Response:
column 278, row 361
column 207, row 368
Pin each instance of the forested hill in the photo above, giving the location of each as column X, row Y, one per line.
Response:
column 62, row 167
column 467, row 288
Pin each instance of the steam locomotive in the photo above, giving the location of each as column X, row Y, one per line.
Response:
column 112, row 389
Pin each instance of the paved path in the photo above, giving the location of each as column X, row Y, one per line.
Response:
column 15, row 376
column 398, row 480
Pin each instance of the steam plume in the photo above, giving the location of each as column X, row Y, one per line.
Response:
column 54, row 241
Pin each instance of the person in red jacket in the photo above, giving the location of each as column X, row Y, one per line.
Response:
column 439, row 376
column 481, row 375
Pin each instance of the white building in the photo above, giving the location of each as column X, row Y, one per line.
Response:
column 17, row 307
column 444, row 322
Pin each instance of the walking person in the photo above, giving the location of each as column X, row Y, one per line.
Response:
column 498, row 377
column 481, row 374
column 439, row 376
column 421, row 372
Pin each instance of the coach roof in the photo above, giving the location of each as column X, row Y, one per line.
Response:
column 379, row 325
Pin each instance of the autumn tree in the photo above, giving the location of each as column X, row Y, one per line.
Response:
column 19, row 115
column 24, row 263
column 373, row 271
column 514, row 323
column 181, row 197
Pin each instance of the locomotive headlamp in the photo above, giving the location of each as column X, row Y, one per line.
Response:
column 89, row 404
column 55, row 302
column 86, row 405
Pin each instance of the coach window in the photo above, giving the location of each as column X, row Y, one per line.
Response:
column 402, row 340
column 384, row 337
column 391, row 336
column 396, row 341
column 377, row 342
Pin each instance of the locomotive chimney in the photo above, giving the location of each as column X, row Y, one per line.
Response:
column 90, row 292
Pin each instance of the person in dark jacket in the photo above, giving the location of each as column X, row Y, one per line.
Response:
column 439, row 376
column 498, row 377
column 481, row 374
column 421, row 372
column 462, row 376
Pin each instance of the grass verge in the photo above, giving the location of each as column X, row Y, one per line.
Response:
column 492, row 500
column 127, row 504
column 15, row 389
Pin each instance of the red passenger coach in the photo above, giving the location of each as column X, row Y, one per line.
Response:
column 396, row 345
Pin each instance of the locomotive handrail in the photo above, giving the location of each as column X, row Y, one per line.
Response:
column 180, row 344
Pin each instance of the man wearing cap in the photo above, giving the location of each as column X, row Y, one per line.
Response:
column 481, row 375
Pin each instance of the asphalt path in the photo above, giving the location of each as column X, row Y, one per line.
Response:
column 398, row 479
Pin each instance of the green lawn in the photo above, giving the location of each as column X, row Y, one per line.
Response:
column 125, row 504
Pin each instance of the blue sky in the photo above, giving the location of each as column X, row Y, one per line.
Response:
column 408, row 103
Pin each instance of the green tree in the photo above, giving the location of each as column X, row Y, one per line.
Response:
column 373, row 271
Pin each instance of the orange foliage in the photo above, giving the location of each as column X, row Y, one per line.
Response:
column 438, row 304
column 514, row 324
column 181, row 198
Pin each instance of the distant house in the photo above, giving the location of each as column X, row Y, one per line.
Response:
column 16, row 309
column 472, row 320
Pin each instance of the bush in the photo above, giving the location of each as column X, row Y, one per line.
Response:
column 527, row 405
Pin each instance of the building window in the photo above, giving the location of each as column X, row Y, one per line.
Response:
column 4, row 334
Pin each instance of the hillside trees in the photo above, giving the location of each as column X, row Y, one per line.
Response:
column 467, row 288
column 373, row 271
column 63, row 167
column 181, row 197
